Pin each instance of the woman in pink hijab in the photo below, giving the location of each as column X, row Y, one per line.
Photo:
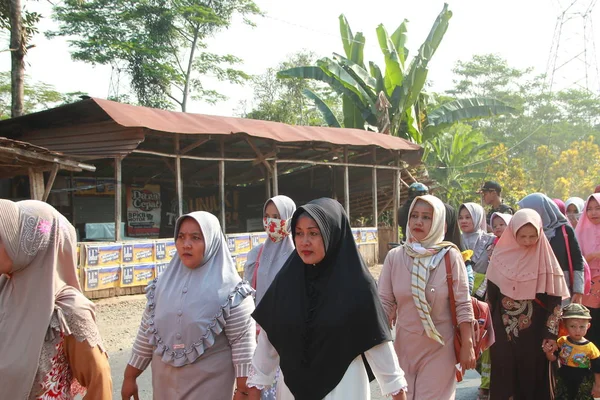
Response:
column 49, row 341
column 525, row 289
column 588, row 235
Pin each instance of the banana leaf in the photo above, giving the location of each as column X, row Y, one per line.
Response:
column 467, row 109
column 357, row 52
column 376, row 73
column 316, row 73
column 346, row 34
column 359, row 73
column 399, row 40
column 353, row 117
column 328, row 115
column 394, row 73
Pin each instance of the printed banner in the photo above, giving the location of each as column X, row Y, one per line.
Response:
column 371, row 235
column 240, row 261
column 137, row 275
column 164, row 251
column 87, row 186
column 143, row 210
column 242, row 244
column 103, row 255
column 160, row 268
column 102, row 278
column 258, row 239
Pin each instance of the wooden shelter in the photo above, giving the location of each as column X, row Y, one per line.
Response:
column 21, row 158
column 194, row 152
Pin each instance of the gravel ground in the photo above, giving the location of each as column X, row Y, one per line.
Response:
column 119, row 319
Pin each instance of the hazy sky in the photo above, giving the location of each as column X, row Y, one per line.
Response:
column 520, row 31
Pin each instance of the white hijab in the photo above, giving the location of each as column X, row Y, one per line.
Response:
column 274, row 255
column 479, row 239
column 210, row 290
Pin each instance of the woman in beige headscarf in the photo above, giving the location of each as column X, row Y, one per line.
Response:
column 50, row 344
column 414, row 292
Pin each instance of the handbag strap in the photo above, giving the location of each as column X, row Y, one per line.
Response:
column 450, row 288
column 256, row 268
column 564, row 231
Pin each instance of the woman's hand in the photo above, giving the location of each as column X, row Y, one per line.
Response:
column 577, row 298
column 399, row 396
column 253, row 394
column 129, row 389
column 596, row 390
column 467, row 355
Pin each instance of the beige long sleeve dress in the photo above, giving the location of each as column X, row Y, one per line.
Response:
column 428, row 366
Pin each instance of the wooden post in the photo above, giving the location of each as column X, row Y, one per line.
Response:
column 275, row 180
column 267, row 184
column 118, row 198
column 374, row 183
column 396, row 199
column 222, row 186
column 36, row 184
column 50, row 183
column 178, row 179
column 346, row 183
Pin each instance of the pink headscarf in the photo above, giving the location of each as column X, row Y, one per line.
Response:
column 561, row 206
column 521, row 272
column 588, row 235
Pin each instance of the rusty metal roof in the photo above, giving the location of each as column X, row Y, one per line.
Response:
column 17, row 157
column 97, row 128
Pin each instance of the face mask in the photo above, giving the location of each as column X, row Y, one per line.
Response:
column 276, row 228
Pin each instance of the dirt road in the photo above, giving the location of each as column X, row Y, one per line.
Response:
column 119, row 319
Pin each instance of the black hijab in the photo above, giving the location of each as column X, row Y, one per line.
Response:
column 452, row 229
column 321, row 317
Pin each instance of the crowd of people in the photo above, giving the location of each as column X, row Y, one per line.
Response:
column 307, row 321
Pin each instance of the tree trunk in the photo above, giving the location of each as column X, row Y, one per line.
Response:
column 17, row 53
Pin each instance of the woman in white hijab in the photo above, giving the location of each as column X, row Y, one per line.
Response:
column 471, row 219
column 197, row 328
column 265, row 261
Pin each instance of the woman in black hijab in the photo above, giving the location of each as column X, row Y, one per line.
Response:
column 321, row 314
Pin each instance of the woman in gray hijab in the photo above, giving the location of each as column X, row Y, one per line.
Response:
column 559, row 233
column 197, row 329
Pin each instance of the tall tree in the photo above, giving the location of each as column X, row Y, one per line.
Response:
column 22, row 25
column 160, row 43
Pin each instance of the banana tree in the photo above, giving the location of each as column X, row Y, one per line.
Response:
column 389, row 101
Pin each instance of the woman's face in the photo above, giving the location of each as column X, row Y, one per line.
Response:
column 593, row 211
column 190, row 243
column 309, row 241
column 498, row 226
column 6, row 263
column 572, row 214
column 420, row 220
column 527, row 235
column 465, row 221
column 271, row 211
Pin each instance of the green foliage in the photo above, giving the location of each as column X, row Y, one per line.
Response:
column 286, row 100
column 160, row 44
column 38, row 96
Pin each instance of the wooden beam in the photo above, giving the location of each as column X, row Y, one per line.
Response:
column 222, row 186
column 118, row 198
column 178, row 178
column 186, row 157
column 50, row 182
column 337, row 164
column 169, row 166
column 193, row 145
column 346, row 183
column 374, row 188
column 36, row 184
column 48, row 158
column 267, row 156
column 261, row 158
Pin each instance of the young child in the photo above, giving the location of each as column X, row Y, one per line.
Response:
column 577, row 355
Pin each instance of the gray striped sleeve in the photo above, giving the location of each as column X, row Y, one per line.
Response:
column 241, row 333
column 141, row 354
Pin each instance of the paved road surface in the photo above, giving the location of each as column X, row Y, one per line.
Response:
column 467, row 390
